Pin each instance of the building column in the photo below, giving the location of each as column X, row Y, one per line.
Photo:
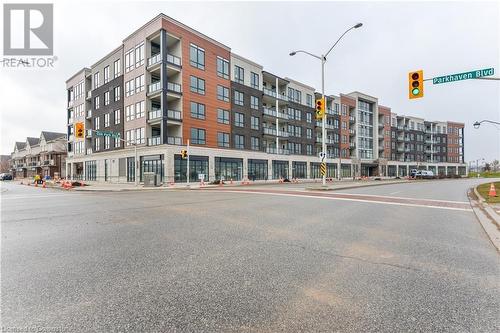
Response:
column 290, row 169
column 169, row 167
column 397, row 170
column 407, row 170
column 245, row 168
column 446, row 170
column 269, row 169
column 84, row 176
column 211, row 168
column 163, row 78
column 308, row 170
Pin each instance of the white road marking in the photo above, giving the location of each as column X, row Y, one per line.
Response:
column 348, row 199
column 406, row 198
column 395, row 192
column 35, row 196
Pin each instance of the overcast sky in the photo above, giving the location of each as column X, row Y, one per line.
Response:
column 440, row 38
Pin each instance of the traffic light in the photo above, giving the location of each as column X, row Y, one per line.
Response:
column 320, row 108
column 416, row 84
column 184, row 154
column 79, row 130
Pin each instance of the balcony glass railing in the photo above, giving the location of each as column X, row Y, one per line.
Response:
column 154, row 59
column 154, row 87
column 283, row 134
column 154, row 114
column 269, row 112
column 280, row 151
column 174, row 114
column 175, row 87
column 154, row 141
column 174, row 60
column 174, row 140
column 269, row 131
column 352, row 119
column 269, row 92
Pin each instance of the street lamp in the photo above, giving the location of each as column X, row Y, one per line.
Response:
column 478, row 123
column 322, row 58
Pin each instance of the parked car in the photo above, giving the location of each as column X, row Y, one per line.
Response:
column 5, row 176
column 422, row 174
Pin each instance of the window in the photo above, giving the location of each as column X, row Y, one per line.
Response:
column 197, row 110
column 222, row 116
column 106, row 74
column 117, row 116
column 106, row 98
column 97, row 102
column 197, row 85
column 129, row 137
column 239, row 74
column 223, row 139
column 97, row 144
column 309, row 149
column 309, row 100
column 309, row 133
column 129, row 113
column 97, row 124
column 139, row 109
column 97, row 84
column 239, row 141
column 254, row 122
column 116, row 93
column 197, row 56
column 117, row 68
column 254, row 102
column 222, row 68
column 238, row 97
column 309, row 117
column 139, row 55
column 254, row 143
column 254, row 80
column 140, row 138
column 197, row 136
column 118, row 142
column 222, row 93
column 129, row 88
column 106, row 142
column 129, row 61
column 106, row 120
column 139, row 83
column 239, row 119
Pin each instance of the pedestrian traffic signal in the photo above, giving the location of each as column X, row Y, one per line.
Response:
column 184, row 154
column 416, row 84
column 79, row 130
column 320, row 108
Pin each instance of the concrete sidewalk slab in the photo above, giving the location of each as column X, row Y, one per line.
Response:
column 487, row 216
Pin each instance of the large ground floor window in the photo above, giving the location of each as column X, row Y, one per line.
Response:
column 280, row 169
column 257, row 169
column 90, row 170
column 299, row 169
column 152, row 163
column 197, row 165
column 130, row 169
column 228, row 168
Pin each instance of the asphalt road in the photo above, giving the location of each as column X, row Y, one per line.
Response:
column 221, row 260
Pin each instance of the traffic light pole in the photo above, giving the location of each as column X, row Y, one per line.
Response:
column 323, row 121
column 187, row 167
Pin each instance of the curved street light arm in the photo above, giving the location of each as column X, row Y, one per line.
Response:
column 302, row 51
column 338, row 40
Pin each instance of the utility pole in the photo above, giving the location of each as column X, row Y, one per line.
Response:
column 187, row 167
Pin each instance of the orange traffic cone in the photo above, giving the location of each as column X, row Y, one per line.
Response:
column 493, row 191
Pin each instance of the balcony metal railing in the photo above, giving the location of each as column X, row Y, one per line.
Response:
column 174, row 114
column 283, row 134
column 154, row 87
column 269, row 112
column 352, row 144
column 280, row 151
column 154, row 141
column 269, row 131
column 89, row 113
column 154, row 114
column 352, row 131
column 269, row 92
column 175, row 87
column 352, row 119
column 174, row 140
column 401, row 128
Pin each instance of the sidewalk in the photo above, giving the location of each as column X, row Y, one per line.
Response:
column 488, row 215
column 309, row 184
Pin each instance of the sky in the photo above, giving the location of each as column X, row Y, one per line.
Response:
column 397, row 37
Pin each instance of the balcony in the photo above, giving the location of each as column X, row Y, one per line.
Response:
column 400, row 149
column 48, row 162
column 89, row 114
column 155, row 114
column 273, row 93
column 401, row 128
column 401, row 138
column 174, row 87
column 89, row 95
column 154, row 141
column 283, row 134
column 269, row 131
column 89, row 133
column 174, row 114
column 352, row 131
column 380, row 125
column 407, row 139
column 352, row 119
column 352, row 144
column 70, row 104
column 174, row 140
column 271, row 150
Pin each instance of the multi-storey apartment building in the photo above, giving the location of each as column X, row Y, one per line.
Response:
column 168, row 85
column 44, row 156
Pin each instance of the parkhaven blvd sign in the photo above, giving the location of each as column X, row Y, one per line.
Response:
column 463, row 76
column 106, row 133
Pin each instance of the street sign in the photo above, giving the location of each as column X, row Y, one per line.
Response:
column 463, row 76
column 322, row 168
column 322, row 155
column 106, row 133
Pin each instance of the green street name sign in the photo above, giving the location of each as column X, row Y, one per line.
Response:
column 110, row 134
column 463, row 76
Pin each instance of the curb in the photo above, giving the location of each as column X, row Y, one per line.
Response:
column 489, row 220
column 355, row 186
